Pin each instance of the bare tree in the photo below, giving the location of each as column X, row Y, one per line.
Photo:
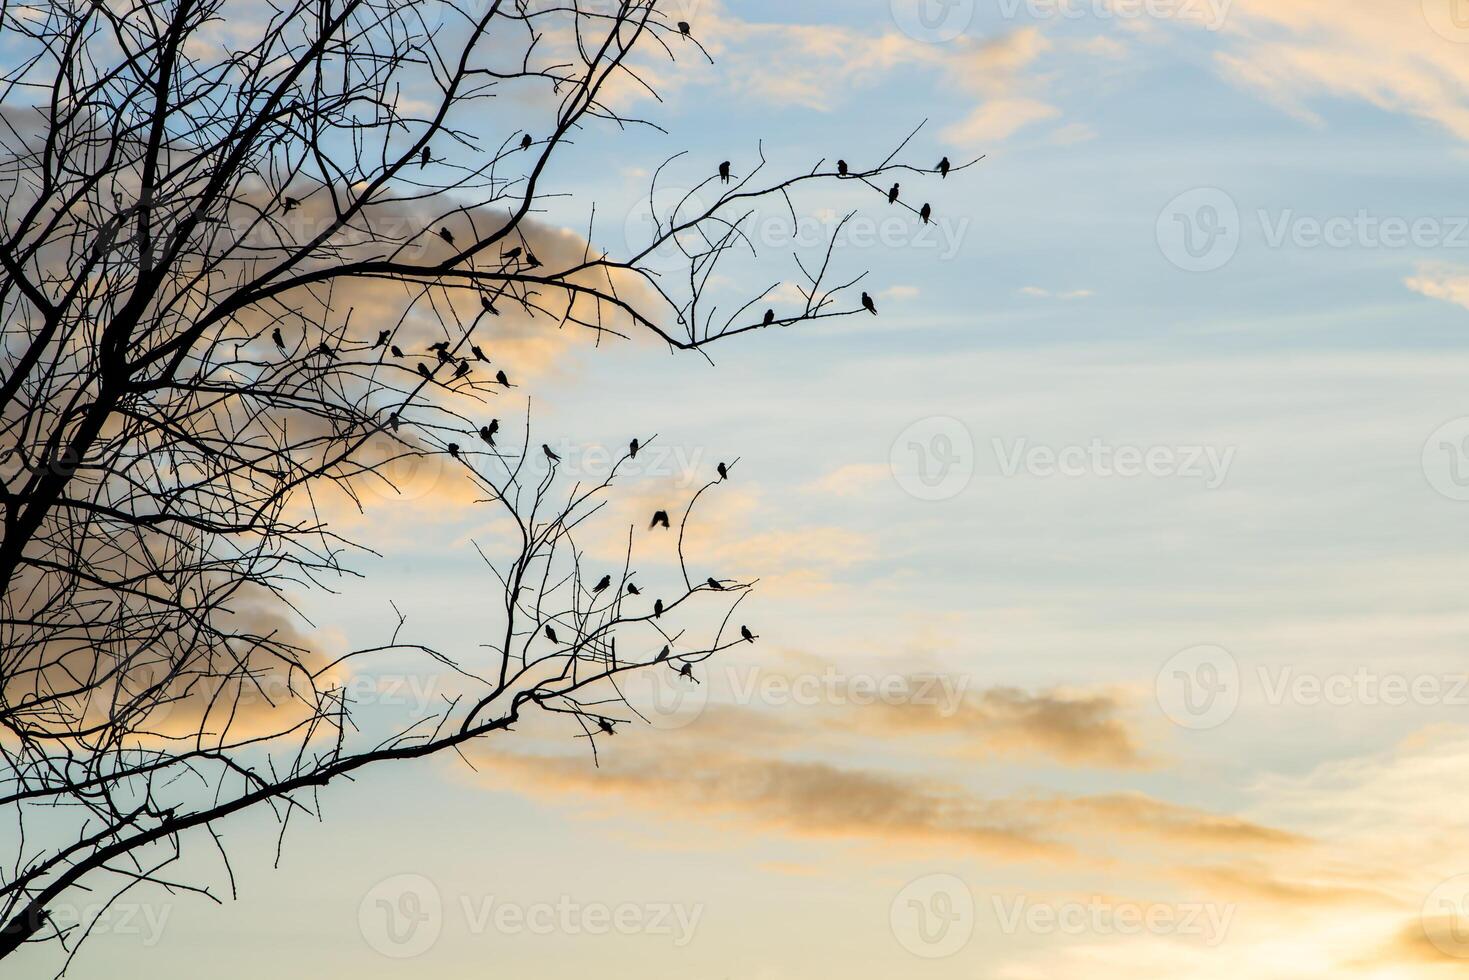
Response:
column 243, row 262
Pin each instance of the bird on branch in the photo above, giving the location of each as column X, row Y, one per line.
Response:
column 659, row 517
column 868, row 304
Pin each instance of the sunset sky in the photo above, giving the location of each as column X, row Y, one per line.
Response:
column 1112, row 602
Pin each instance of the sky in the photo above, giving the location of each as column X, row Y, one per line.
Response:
column 1111, row 602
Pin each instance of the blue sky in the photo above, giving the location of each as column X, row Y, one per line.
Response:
column 1320, row 819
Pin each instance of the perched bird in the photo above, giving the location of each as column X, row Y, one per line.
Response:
column 479, row 355
column 513, row 255
column 944, row 167
column 393, row 421
column 550, row 454
column 688, row 671
column 868, row 304
column 724, row 171
column 324, row 349
column 462, row 369
column 657, row 608
column 745, row 632
column 530, row 258
column 292, row 204
column 487, row 434
column 423, row 369
column 551, row 634
column 446, row 235
column 633, row 589
column 280, row 341
column 632, row 449
column 442, row 345
column 926, row 213
column 842, row 168
column 684, row 28
column 453, row 448
column 526, row 142
column 662, row 655
column 500, row 377
column 602, row 584
column 769, row 317
column 396, row 350
column 443, row 355
column 606, row 726
column 382, row 339
column 723, row 471
column 714, row 584
column 893, row 195
column 424, row 157
column 659, row 517
column 489, row 306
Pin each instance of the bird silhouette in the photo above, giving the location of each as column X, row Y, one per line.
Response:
column 446, row 235
column 745, row 632
column 462, row 369
column 868, row 304
column 530, row 258
column 632, row 449
column 724, row 171
column 487, row 434
column 633, row 589
column 659, row 517
column 441, row 346
column 842, row 168
column 713, row 584
column 602, row 584
column 292, row 204
column 479, row 355
column 526, row 142
column 550, row 455
column 382, row 339
column 423, row 369
column 453, row 448
column 606, row 726
column 324, row 349
column 393, row 421
column 500, row 377
column 280, row 341
column 926, row 213
column 443, row 355
column 551, row 634
column 944, row 167
column 424, row 156
column 684, row 28
column 688, row 671
column 723, row 471
column 396, row 350
column 513, row 255
column 893, row 195
column 657, row 608
column 488, row 305
column 662, row 655
column 769, row 317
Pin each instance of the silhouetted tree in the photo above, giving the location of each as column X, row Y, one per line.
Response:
column 251, row 253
